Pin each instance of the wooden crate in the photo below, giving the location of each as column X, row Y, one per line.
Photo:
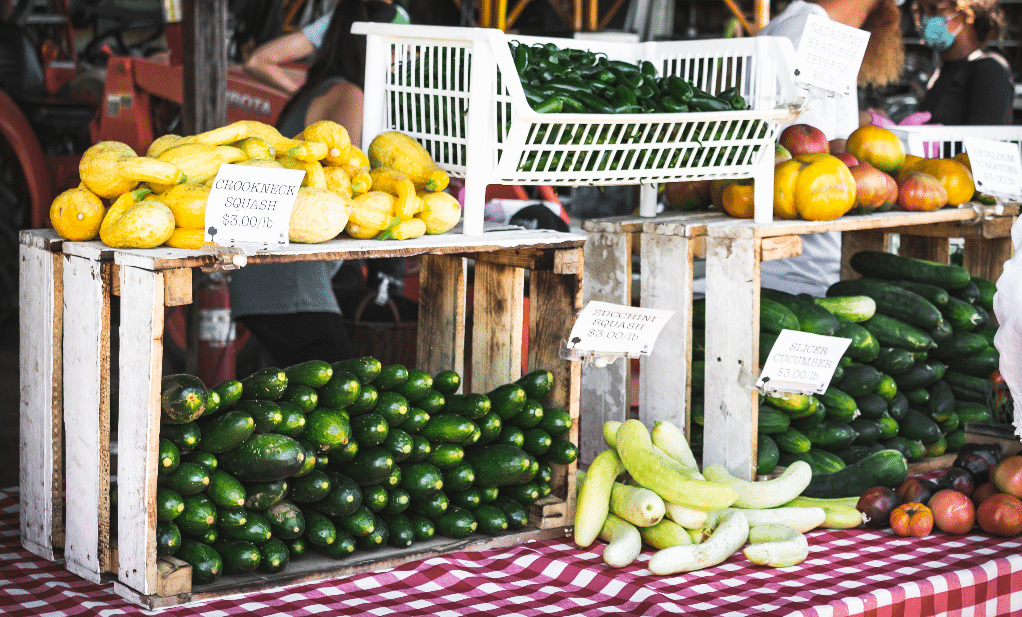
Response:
column 734, row 254
column 666, row 246
column 149, row 280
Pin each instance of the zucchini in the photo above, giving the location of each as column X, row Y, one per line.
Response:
column 883, row 265
column 892, row 332
column 897, row 407
column 765, row 493
column 864, row 346
column 207, row 566
column 884, row 468
column 500, row 464
column 892, row 301
column 981, row 364
column 267, row 384
column 312, row 373
column 853, row 309
column 183, row 398
column 774, row 317
column 811, row 317
column 969, row 388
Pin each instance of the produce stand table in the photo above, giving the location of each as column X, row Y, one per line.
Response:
column 854, row 572
column 666, row 245
column 69, row 376
column 734, row 252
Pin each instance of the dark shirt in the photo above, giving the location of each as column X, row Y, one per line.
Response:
column 977, row 91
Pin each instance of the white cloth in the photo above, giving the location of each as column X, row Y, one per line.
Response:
column 819, row 265
column 1008, row 309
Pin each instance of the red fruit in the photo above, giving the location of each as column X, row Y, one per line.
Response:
column 921, row 192
column 1000, row 515
column 871, row 187
column 982, row 492
column 877, row 503
column 953, row 512
column 804, row 139
column 848, row 159
column 1008, row 476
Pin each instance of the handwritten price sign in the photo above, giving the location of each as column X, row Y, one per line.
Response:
column 251, row 204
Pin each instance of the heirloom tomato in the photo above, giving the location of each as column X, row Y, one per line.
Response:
column 953, row 512
column 912, row 519
column 1000, row 515
column 877, row 146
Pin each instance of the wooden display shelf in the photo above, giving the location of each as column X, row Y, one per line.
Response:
column 85, row 276
column 666, row 246
column 734, row 254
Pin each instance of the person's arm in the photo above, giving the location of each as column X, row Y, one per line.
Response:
column 990, row 93
column 265, row 62
column 341, row 103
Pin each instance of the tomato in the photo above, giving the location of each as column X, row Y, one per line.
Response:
column 921, row 192
column 912, row 519
column 982, row 492
column 689, row 195
column 877, row 146
column 1007, row 476
column 1000, row 515
column 953, row 512
column 815, row 187
column 955, row 176
column 737, row 199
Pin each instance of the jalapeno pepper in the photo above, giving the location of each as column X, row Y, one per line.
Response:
column 521, row 58
column 672, row 105
column 551, row 105
column 595, row 103
column 571, row 105
column 679, row 88
column 733, row 97
column 567, row 83
column 648, row 69
column 533, row 95
column 701, row 101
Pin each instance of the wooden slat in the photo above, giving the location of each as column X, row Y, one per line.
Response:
column 441, row 344
column 732, row 352
column 177, row 285
column 87, row 416
column 497, row 313
column 174, row 576
column 665, row 375
column 884, row 220
column 527, row 258
column 41, row 434
column 555, row 299
column 922, row 247
column 605, row 390
column 780, row 247
column 138, row 430
column 986, row 258
column 996, row 227
column 853, row 242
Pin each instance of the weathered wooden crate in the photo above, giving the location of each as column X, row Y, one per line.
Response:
column 734, row 254
column 666, row 245
column 149, row 280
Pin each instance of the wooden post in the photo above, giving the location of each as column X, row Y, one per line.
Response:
column 441, row 344
column 497, row 313
column 204, row 36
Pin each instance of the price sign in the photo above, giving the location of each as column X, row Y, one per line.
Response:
column 802, row 362
column 615, row 328
column 829, row 55
column 996, row 167
column 251, row 204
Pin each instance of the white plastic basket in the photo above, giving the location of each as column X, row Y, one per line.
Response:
column 935, row 141
column 456, row 90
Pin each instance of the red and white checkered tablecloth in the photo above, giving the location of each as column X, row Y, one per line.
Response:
column 857, row 572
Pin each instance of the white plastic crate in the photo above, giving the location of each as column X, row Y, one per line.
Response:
column 456, row 90
column 935, row 141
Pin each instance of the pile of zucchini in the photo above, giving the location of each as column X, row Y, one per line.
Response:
column 915, row 373
column 344, row 457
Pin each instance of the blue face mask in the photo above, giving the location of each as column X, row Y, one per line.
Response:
column 936, row 34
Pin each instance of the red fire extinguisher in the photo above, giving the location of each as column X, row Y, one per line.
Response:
column 218, row 340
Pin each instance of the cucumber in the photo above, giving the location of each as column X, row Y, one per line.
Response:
column 872, row 406
column 936, row 295
column 859, row 379
column 969, row 388
column 891, row 332
column 981, row 364
column 366, row 369
column 805, row 422
column 854, row 453
column 774, row 317
column 868, row 431
column 811, row 317
column 893, row 360
column 892, row 301
column 898, row 406
column 793, row 441
column 207, row 566
column 919, row 397
column 884, row 468
column 344, row 496
column 499, row 464
column 889, row 427
column 182, row 398
column 972, row 412
column 962, row 316
column 942, row 333
column 839, row 404
column 969, row 293
column 986, row 290
column 264, row 457
column 942, row 401
column 863, row 347
column 883, row 265
column 960, row 344
column 286, row 520
column 312, row 373
column 912, row 450
column 921, row 375
column 767, row 454
column 955, row 440
column 823, row 461
column 831, row 435
column 949, row 424
column 853, row 309
column 888, row 388
column 917, row 426
column 771, row 421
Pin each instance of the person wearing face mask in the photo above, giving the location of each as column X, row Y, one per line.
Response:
column 971, row 86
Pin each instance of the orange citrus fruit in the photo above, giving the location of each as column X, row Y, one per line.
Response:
column 877, row 146
column 954, row 175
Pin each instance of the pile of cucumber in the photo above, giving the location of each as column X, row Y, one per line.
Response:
column 916, row 371
column 344, row 457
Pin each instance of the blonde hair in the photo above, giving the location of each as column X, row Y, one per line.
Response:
column 884, row 59
column 986, row 16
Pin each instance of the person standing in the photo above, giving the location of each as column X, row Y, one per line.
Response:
column 971, row 86
column 819, row 265
column 291, row 307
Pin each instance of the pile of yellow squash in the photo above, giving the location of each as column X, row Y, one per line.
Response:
column 160, row 198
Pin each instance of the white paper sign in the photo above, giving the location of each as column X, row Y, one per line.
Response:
column 251, row 204
column 802, row 362
column 829, row 55
column 996, row 167
column 615, row 328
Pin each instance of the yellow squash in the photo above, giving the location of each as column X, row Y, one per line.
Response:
column 403, row 230
column 185, row 238
column 222, row 135
column 136, row 224
column 399, row 151
column 76, row 214
column 199, row 162
column 314, row 176
column 319, row 215
column 337, row 180
column 111, row 168
column 440, row 211
column 163, row 142
column 255, row 148
column 308, row 150
column 188, row 203
column 371, row 213
column 400, row 185
column 334, row 135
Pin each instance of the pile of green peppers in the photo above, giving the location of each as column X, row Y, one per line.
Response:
column 557, row 80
